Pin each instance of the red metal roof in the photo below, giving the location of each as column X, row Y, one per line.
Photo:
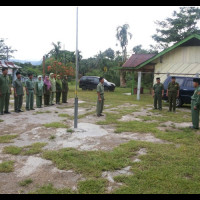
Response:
column 137, row 59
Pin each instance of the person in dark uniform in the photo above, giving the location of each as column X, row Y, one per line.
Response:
column 195, row 104
column 173, row 94
column 18, row 93
column 100, row 97
column 58, row 89
column 47, row 91
column 65, row 89
column 5, row 91
column 158, row 93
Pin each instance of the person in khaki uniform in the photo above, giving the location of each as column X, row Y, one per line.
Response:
column 58, row 89
column 47, row 91
column 5, row 91
column 100, row 99
column 39, row 91
column 18, row 93
column 30, row 93
column 173, row 94
column 53, row 88
column 158, row 93
column 195, row 104
column 65, row 89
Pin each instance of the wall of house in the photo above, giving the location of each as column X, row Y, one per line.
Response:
column 180, row 60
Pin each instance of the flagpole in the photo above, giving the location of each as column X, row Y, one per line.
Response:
column 76, row 97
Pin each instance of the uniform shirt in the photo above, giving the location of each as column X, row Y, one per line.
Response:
column 173, row 87
column 30, row 84
column 65, row 87
column 19, row 87
column 53, row 84
column 39, row 92
column 100, row 88
column 196, row 97
column 4, row 84
column 158, row 88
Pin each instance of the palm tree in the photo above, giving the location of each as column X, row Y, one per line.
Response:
column 56, row 52
column 122, row 36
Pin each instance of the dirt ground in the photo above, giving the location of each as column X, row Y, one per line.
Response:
column 29, row 126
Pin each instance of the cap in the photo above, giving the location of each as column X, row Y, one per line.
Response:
column 158, row 78
column 196, row 80
column 173, row 77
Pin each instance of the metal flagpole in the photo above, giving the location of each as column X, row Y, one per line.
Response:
column 76, row 97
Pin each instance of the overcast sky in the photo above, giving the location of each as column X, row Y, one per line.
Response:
column 31, row 30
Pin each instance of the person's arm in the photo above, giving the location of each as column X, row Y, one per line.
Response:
column 98, row 93
column 26, row 89
column 178, row 92
column 15, row 90
column 167, row 90
column 153, row 91
column 163, row 90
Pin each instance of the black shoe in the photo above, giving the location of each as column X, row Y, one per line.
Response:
column 52, row 104
column 160, row 109
column 193, row 128
column 27, row 109
column 32, row 109
column 17, row 111
column 98, row 115
column 20, row 110
column 7, row 112
column 101, row 115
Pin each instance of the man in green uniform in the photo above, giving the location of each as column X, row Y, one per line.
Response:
column 18, row 93
column 30, row 93
column 195, row 104
column 65, row 89
column 4, row 91
column 173, row 94
column 53, row 88
column 158, row 92
column 39, row 90
column 100, row 99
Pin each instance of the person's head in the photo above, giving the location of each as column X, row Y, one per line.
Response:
column 196, row 82
column 39, row 78
column 101, row 80
column 47, row 78
column 30, row 75
column 58, row 77
column 158, row 80
column 18, row 75
column 5, row 71
column 65, row 77
column 173, row 79
column 52, row 75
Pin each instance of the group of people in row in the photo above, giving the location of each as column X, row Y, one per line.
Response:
column 173, row 92
column 49, row 89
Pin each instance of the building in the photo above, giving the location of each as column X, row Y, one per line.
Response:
column 12, row 68
column 181, row 59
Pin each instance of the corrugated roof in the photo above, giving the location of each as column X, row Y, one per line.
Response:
column 8, row 64
column 137, row 59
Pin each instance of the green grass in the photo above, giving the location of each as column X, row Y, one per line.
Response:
column 63, row 115
column 1, row 120
column 7, row 166
column 25, row 182
column 41, row 112
column 26, row 150
column 7, row 138
column 49, row 189
column 70, row 130
column 56, row 125
column 52, row 137
column 92, row 186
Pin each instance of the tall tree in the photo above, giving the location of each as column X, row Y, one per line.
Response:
column 109, row 53
column 56, row 51
column 5, row 51
column 174, row 29
column 139, row 50
column 122, row 36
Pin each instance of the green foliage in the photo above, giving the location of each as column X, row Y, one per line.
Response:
column 25, row 182
column 7, row 166
column 179, row 26
column 7, row 138
column 56, row 125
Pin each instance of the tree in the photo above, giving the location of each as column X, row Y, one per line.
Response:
column 122, row 36
column 5, row 51
column 56, row 52
column 139, row 50
column 179, row 26
column 109, row 53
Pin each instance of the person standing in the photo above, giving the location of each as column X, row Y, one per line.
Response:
column 158, row 93
column 39, row 91
column 173, row 94
column 58, row 89
column 30, row 93
column 195, row 104
column 65, row 89
column 4, row 92
column 18, row 93
column 100, row 97
column 53, row 88
column 47, row 91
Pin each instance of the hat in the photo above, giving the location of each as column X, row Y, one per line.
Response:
column 158, row 78
column 173, row 77
column 196, row 80
column 51, row 74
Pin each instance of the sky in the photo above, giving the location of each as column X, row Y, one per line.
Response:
column 32, row 29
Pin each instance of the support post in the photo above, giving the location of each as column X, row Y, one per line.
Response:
column 43, row 66
column 139, row 85
column 197, row 75
column 76, row 97
column 133, row 83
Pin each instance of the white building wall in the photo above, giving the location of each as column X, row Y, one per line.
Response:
column 180, row 60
